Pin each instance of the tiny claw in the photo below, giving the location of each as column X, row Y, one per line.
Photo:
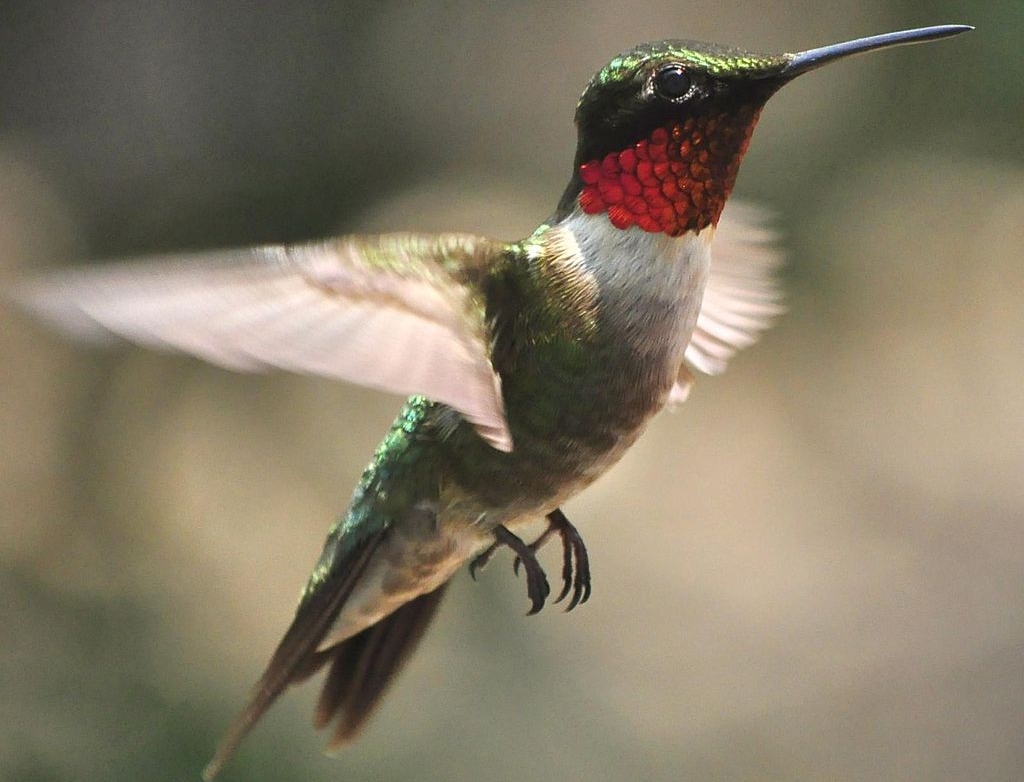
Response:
column 480, row 561
column 578, row 578
column 537, row 587
column 581, row 583
column 567, row 572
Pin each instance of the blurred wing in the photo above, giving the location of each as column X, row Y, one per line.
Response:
column 398, row 312
column 741, row 299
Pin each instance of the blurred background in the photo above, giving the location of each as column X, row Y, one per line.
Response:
column 813, row 570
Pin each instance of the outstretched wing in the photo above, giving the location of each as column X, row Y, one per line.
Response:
column 398, row 312
column 741, row 299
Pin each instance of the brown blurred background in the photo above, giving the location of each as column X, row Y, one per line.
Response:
column 813, row 571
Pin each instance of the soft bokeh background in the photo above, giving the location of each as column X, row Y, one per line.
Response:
column 815, row 570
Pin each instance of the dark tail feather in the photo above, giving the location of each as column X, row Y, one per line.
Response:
column 363, row 666
column 296, row 657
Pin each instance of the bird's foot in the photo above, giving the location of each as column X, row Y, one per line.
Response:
column 536, row 581
column 575, row 562
column 575, row 568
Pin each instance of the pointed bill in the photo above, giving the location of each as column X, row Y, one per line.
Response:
column 742, row 296
column 398, row 312
column 815, row 58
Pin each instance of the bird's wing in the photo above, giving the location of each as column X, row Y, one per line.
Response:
column 398, row 312
column 741, row 299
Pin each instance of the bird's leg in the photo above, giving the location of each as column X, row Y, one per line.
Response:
column 577, row 578
column 536, row 581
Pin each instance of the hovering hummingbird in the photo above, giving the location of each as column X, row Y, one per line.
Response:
column 534, row 364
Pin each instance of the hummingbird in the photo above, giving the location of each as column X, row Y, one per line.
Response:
column 533, row 365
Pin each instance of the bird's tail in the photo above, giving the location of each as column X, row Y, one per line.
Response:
column 362, row 667
column 359, row 668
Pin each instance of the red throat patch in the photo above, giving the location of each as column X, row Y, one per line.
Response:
column 675, row 181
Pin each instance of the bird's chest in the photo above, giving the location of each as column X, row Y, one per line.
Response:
column 579, row 394
column 649, row 291
column 583, row 370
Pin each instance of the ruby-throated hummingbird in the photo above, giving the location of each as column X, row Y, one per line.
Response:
column 535, row 364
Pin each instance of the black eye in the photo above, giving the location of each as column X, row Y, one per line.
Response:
column 672, row 82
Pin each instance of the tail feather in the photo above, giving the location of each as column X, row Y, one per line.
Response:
column 296, row 657
column 364, row 665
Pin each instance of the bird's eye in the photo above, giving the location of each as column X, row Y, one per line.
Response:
column 671, row 82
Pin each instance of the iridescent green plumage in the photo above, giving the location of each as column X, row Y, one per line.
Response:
column 713, row 59
column 374, row 506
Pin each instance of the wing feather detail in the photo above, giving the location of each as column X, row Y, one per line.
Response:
column 398, row 312
column 742, row 297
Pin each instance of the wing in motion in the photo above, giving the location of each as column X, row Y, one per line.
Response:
column 741, row 299
column 399, row 312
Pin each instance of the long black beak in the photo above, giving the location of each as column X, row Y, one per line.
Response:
column 814, row 58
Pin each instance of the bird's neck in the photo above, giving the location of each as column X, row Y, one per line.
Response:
column 644, row 281
column 674, row 181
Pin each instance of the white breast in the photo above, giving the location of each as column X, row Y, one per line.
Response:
column 651, row 284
